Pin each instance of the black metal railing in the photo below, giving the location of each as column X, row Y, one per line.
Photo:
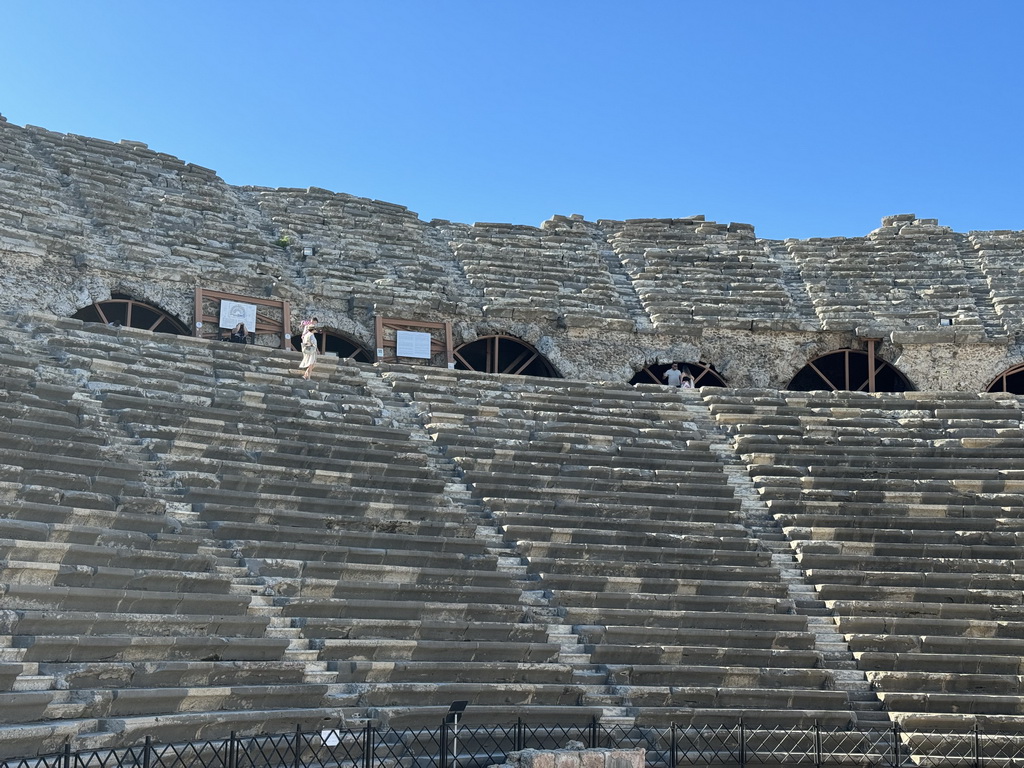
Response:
column 451, row 745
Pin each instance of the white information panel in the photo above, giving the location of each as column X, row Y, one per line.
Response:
column 330, row 738
column 412, row 344
column 234, row 312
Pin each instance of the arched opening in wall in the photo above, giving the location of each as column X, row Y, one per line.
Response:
column 849, row 369
column 339, row 344
column 1011, row 380
column 503, row 354
column 704, row 374
column 123, row 310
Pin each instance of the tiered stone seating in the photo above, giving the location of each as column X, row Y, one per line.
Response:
column 534, row 275
column 625, row 517
column 370, row 252
column 692, row 272
column 151, row 205
column 37, row 219
column 903, row 280
column 112, row 610
column 999, row 255
column 345, row 536
column 905, row 512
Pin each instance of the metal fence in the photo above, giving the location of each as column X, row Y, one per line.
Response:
column 477, row 746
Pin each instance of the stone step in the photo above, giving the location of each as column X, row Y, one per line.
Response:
column 33, row 683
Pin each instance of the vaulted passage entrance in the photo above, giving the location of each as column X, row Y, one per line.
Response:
column 339, row 344
column 503, row 354
column 1010, row 380
column 704, row 375
column 124, row 310
column 849, row 369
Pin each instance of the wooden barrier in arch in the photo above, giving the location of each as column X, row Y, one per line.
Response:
column 273, row 316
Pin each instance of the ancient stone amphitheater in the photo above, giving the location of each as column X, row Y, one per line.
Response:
column 196, row 541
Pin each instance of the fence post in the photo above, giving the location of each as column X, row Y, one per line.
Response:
column 146, row 747
column 978, row 757
column 817, row 744
column 519, row 742
column 593, row 732
column 67, row 754
column 743, row 743
column 673, row 748
column 895, row 744
column 371, row 744
column 232, row 751
column 444, row 745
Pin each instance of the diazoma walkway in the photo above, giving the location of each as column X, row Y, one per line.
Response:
column 197, row 542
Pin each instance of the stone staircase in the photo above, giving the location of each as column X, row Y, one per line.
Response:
column 835, row 651
column 904, row 513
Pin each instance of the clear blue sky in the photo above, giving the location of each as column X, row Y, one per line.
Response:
column 803, row 118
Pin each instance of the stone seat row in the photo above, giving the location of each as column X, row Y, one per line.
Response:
column 287, row 445
column 190, row 455
column 257, row 487
column 940, row 473
column 882, row 490
column 138, row 551
column 75, row 576
column 795, row 511
column 667, row 484
column 321, row 544
column 311, row 477
column 597, row 466
column 1008, row 533
column 483, row 452
column 876, row 551
column 310, row 561
column 613, row 406
column 45, row 620
column 332, row 511
column 125, row 599
column 445, row 627
column 143, row 515
column 681, row 552
column 684, row 535
column 370, row 608
column 568, row 598
column 161, row 539
column 567, row 511
column 100, row 703
column 384, row 582
column 655, row 502
column 763, row 586
column 909, row 563
column 234, row 521
column 502, row 423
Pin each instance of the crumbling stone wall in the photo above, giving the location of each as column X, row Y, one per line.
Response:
column 82, row 218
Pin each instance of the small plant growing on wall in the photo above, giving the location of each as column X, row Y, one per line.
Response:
column 283, row 241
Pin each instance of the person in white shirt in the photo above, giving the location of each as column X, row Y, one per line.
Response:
column 673, row 376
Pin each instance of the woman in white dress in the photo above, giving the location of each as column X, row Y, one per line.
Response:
column 309, row 346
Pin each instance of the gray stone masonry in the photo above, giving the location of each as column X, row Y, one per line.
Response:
column 83, row 218
column 576, row 758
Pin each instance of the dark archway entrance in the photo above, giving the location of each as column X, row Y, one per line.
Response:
column 123, row 310
column 849, row 369
column 704, row 375
column 1011, row 380
column 503, row 354
column 338, row 344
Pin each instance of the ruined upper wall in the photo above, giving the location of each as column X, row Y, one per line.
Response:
column 81, row 218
